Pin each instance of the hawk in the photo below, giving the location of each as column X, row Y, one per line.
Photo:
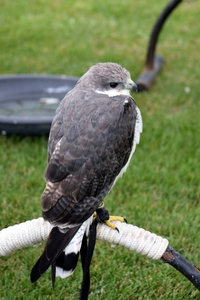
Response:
column 92, row 138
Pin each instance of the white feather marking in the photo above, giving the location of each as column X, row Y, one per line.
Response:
column 137, row 131
column 126, row 101
column 57, row 149
column 114, row 92
column 62, row 273
column 74, row 246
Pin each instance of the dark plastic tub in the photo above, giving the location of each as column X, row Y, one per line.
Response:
column 28, row 102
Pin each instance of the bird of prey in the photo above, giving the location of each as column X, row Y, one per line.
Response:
column 92, row 138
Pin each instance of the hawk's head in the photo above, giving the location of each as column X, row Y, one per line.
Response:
column 107, row 78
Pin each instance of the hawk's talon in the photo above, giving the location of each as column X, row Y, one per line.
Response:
column 114, row 218
column 102, row 216
column 110, row 224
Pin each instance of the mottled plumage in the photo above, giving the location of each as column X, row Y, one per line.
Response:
column 93, row 135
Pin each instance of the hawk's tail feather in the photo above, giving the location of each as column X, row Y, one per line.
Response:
column 66, row 263
column 55, row 245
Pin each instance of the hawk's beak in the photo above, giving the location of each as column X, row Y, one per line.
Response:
column 131, row 85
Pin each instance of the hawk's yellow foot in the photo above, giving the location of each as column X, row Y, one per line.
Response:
column 114, row 218
column 102, row 216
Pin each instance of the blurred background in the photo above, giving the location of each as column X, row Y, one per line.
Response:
column 160, row 190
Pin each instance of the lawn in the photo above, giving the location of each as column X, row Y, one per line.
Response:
column 160, row 190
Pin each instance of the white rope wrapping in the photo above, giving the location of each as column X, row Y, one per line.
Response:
column 134, row 238
column 32, row 233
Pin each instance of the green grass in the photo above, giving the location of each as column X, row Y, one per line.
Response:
column 160, row 191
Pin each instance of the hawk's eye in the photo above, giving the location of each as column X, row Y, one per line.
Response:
column 113, row 85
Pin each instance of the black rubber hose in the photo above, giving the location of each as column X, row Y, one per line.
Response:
column 156, row 30
column 154, row 62
column 179, row 262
